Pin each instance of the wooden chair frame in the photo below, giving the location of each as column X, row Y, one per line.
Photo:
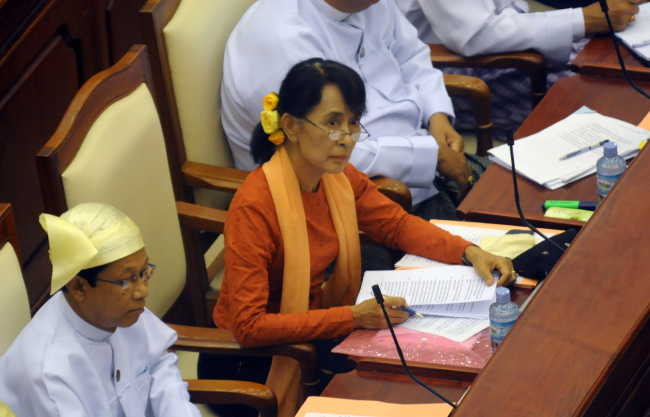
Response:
column 92, row 99
column 532, row 62
column 8, row 233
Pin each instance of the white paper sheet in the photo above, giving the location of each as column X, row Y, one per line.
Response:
column 453, row 328
column 537, row 157
column 475, row 310
column 445, row 285
column 451, row 290
column 637, row 34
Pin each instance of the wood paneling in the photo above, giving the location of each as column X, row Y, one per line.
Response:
column 48, row 49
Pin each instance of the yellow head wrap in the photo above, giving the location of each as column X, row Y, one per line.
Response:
column 5, row 411
column 86, row 236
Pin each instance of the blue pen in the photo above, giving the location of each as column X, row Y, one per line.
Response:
column 410, row 311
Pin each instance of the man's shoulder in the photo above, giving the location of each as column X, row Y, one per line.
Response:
column 270, row 21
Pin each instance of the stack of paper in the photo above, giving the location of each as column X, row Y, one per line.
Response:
column 636, row 35
column 454, row 299
column 471, row 233
column 537, row 157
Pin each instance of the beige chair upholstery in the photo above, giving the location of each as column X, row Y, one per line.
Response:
column 123, row 162
column 14, row 304
column 196, row 39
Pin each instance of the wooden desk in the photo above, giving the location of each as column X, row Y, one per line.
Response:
column 392, row 388
column 492, row 198
column 582, row 346
column 599, row 58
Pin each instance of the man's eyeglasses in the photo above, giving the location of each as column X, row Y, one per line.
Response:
column 337, row 135
column 126, row 283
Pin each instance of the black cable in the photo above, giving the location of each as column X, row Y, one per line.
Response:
column 605, row 9
column 380, row 300
column 511, row 142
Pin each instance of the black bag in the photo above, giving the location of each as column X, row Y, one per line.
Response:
column 538, row 261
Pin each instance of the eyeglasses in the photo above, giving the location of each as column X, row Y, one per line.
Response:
column 337, row 135
column 126, row 283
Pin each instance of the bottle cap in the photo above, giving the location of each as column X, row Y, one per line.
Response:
column 610, row 149
column 503, row 295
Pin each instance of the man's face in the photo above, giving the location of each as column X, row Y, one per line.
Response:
column 351, row 6
column 108, row 306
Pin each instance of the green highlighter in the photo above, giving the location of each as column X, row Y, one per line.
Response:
column 570, row 204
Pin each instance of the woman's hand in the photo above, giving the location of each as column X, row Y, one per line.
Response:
column 368, row 314
column 484, row 263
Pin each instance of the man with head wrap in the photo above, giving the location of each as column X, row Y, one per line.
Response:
column 93, row 349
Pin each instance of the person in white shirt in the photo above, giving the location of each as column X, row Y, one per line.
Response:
column 94, row 349
column 476, row 27
column 409, row 110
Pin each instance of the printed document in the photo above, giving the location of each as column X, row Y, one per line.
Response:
column 537, row 157
column 636, row 35
column 452, row 291
column 453, row 328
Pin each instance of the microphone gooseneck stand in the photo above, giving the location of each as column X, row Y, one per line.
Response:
column 380, row 300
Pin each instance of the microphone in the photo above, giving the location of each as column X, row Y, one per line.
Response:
column 605, row 9
column 510, row 139
column 380, row 300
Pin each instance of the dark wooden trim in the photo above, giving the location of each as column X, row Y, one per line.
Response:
column 8, row 233
column 154, row 16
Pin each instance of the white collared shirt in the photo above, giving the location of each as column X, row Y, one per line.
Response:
column 403, row 89
column 475, row 27
column 60, row 365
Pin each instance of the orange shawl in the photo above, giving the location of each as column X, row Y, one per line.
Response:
column 341, row 289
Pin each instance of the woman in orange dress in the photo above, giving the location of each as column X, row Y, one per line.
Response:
column 301, row 211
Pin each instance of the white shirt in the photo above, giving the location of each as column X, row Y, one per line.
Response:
column 474, row 27
column 403, row 89
column 60, row 365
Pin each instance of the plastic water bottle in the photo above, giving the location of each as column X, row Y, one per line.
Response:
column 609, row 169
column 503, row 315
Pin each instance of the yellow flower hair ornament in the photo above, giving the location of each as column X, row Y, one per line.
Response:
column 270, row 119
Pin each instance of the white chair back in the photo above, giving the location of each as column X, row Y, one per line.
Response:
column 196, row 40
column 123, row 162
column 14, row 304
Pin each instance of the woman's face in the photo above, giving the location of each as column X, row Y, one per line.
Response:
column 312, row 152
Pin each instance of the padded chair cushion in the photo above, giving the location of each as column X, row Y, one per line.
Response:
column 123, row 162
column 196, row 39
column 14, row 303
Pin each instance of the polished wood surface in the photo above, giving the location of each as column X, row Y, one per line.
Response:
column 581, row 347
column 599, row 57
column 392, row 388
column 492, row 198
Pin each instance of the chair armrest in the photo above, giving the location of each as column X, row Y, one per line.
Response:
column 532, row 62
column 529, row 61
column 200, row 217
column 395, row 190
column 213, row 177
column 258, row 396
column 222, row 341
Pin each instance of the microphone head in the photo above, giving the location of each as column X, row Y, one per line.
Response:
column 510, row 136
column 377, row 292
